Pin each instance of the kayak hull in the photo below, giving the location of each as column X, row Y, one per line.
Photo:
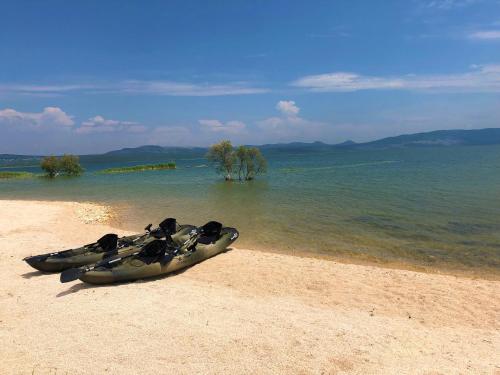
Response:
column 82, row 256
column 79, row 257
column 135, row 268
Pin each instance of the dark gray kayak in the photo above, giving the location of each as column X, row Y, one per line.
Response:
column 106, row 246
column 158, row 257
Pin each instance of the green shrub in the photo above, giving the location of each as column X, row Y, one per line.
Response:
column 50, row 165
column 223, row 156
column 249, row 160
column 67, row 164
column 70, row 164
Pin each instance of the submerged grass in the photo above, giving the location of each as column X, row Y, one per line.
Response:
column 14, row 174
column 139, row 168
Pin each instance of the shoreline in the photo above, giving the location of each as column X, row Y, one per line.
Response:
column 106, row 213
column 231, row 313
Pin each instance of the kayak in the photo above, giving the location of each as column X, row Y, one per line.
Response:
column 157, row 258
column 106, row 246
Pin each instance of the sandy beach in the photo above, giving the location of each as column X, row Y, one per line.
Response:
column 242, row 312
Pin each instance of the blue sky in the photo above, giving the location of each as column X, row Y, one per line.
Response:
column 92, row 76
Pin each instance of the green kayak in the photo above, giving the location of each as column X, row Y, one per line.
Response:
column 158, row 257
column 108, row 245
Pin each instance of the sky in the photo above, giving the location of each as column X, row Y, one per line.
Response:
column 93, row 76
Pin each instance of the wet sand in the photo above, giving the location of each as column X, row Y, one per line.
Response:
column 242, row 312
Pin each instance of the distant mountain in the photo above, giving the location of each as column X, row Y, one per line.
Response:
column 153, row 149
column 146, row 154
column 138, row 150
column 346, row 143
column 477, row 137
column 7, row 160
column 18, row 157
column 295, row 147
column 473, row 137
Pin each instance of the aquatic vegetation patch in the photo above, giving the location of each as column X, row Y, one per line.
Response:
column 13, row 174
column 139, row 168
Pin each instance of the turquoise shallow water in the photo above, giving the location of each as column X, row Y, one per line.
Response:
column 437, row 207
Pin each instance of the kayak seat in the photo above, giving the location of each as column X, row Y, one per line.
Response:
column 207, row 240
column 157, row 233
column 108, row 242
column 210, row 233
column 153, row 251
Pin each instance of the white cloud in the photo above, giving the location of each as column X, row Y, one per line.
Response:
column 99, row 124
column 49, row 117
column 187, row 89
column 171, row 135
column 449, row 4
column 485, row 35
column 229, row 127
column 482, row 78
column 138, row 87
column 289, row 126
column 271, row 123
column 42, row 89
column 288, row 108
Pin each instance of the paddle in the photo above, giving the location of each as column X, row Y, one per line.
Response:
column 210, row 228
column 75, row 273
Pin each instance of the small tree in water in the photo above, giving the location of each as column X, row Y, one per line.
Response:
column 50, row 165
column 223, row 156
column 249, row 160
column 255, row 163
column 68, row 164
column 241, row 158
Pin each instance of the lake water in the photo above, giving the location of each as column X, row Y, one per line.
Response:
column 424, row 207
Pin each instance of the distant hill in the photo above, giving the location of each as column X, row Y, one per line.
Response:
column 153, row 149
column 477, row 137
column 295, row 147
column 346, row 143
column 146, row 154
column 18, row 157
column 7, row 160
column 138, row 150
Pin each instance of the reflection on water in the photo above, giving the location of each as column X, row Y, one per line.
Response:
column 426, row 207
